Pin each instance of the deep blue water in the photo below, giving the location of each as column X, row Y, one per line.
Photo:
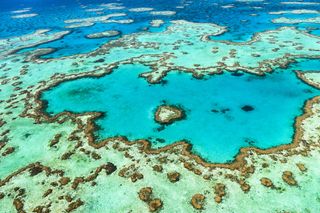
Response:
column 215, row 124
column 239, row 20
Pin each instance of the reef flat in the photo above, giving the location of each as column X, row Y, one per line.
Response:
column 129, row 103
column 53, row 159
column 109, row 33
column 168, row 114
column 295, row 21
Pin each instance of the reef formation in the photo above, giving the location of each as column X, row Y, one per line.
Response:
column 56, row 163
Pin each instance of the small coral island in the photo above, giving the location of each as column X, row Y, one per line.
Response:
column 108, row 33
column 167, row 114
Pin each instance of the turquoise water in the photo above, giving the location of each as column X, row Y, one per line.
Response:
column 215, row 123
column 52, row 13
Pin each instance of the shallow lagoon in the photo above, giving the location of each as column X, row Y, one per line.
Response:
column 215, row 123
column 244, row 18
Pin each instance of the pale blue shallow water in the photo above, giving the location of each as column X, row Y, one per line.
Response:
column 130, row 103
column 240, row 20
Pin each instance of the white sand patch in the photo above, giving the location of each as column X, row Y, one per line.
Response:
column 108, row 33
column 228, row 6
column 163, row 13
column 156, row 23
column 141, row 9
column 300, row 3
column 95, row 10
column 21, row 11
column 284, row 20
column 29, row 15
column 302, row 11
column 94, row 19
column 81, row 24
column 122, row 21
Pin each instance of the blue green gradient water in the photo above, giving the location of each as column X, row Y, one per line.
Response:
column 130, row 103
column 243, row 19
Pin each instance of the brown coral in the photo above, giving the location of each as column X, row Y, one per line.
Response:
column 219, row 191
column 145, row 194
column 287, row 177
column 266, row 182
column 197, row 201
column 155, row 204
column 173, row 176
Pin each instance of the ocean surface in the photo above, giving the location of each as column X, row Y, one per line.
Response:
column 243, row 18
column 216, row 124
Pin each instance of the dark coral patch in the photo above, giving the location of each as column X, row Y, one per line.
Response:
column 247, row 108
